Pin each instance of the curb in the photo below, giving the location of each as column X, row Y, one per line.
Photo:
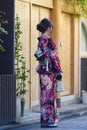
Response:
column 34, row 121
column 76, row 110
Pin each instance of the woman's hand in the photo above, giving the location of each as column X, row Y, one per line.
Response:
column 59, row 76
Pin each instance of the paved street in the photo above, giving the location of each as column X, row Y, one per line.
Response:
column 77, row 123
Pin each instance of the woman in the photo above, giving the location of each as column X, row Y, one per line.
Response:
column 49, row 70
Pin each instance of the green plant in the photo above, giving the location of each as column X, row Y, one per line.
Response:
column 22, row 72
column 80, row 7
column 2, row 29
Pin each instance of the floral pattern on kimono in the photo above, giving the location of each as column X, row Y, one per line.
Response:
column 48, row 80
column 48, row 102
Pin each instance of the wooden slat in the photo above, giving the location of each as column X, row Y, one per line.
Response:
column 45, row 3
column 34, row 75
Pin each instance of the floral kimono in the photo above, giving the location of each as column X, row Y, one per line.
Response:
column 47, row 70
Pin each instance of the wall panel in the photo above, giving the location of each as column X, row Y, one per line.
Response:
column 37, row 14
column 23, row 12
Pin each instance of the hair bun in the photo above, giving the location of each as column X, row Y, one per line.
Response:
column 43, row 25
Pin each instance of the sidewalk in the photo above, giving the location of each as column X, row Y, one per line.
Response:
column 34, row 116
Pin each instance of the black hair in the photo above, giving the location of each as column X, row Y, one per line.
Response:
column 44, row 24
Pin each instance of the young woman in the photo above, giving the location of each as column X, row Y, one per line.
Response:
column 49, row 71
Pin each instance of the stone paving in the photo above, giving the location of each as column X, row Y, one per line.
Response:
column 76, row 123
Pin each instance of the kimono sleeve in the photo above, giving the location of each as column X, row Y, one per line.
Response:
column 55, row 61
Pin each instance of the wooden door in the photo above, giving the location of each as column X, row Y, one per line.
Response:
column 65, row 51
column 37, row 14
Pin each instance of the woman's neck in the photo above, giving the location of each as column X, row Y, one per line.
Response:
column 46, row 34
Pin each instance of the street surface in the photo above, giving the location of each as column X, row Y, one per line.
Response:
column 76, row 123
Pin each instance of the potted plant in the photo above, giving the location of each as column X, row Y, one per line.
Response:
column 22, row 72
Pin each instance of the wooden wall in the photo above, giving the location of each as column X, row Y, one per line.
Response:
column 30, row 13
column 66, row 35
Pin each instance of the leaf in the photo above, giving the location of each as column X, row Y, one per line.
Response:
column 80, row 7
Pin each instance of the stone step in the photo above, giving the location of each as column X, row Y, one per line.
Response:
column 69, row 100
column 31, row 117
column 73, row 114
column 68, row 111
column 72, row 110
column 64, row 112
column 65, row 101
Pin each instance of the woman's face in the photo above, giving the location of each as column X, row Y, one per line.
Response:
column 50, row 30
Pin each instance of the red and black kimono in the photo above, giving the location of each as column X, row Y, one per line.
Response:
column 47, row 70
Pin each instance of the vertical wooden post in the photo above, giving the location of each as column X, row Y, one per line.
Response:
column 56, row 14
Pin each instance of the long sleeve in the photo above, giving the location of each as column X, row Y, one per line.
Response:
column 48, row 47
column 55, row 61
column 43, row 41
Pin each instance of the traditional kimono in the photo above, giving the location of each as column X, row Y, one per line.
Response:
column 47, row 70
